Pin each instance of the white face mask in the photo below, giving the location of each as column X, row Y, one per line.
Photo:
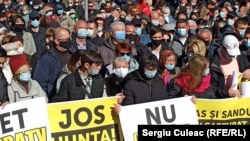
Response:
column 121, row 72
column 20, row 50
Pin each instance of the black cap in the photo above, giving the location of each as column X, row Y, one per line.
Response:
column 34, row 14
column 59, row 6
column 136, row 21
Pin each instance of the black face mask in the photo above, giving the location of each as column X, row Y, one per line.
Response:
column 131, row 37
column 19, row 27
column 65, row 44
column 156, row 43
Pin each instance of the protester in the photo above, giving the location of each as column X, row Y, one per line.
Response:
column 4, row 98
column 23, row 87
column 85, row 82
column 193, row 79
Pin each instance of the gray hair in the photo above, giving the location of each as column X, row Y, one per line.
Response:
column 118, row 60
column 115, row 23
column 205, row 30
column 192, row 21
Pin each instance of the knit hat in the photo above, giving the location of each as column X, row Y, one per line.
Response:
column 16, row 62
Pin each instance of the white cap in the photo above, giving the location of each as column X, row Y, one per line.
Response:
column 231, row 44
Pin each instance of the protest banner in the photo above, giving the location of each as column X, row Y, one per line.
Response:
column 85, row 120
column 164, row 112
column 231, row 111
column 25, row 121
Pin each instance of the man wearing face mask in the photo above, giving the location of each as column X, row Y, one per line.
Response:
column 64, row 19
column 206, row 36
column 92, row 34
column 154, row 16
column 36, row 5
column 245, row 46
column 231, row 18
column 85, row 82
column 157, row 45
column 38, row 33
column 79, row 37
column 50, row 64
column 147, row 80
column 226, row 60
column 175, row 44
column 240, row 27
column 117, row 35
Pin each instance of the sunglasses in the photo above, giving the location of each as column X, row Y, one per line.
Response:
column 123, row 54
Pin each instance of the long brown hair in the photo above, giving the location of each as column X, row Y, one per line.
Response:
column 195, row 68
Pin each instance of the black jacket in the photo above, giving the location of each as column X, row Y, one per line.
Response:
column 73, row 88
column 175, row 91
column 3, row 88
column 218, row 79
column 39, row 37
column 113, row 85
column 138, row 90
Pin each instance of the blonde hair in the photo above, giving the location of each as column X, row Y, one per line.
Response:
column 198, row 47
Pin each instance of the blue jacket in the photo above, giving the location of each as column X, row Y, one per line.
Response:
column 47, row 72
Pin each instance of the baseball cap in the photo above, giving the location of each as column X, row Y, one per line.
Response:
column 231, row 43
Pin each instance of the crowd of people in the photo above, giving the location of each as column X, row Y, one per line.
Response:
column 138, row 50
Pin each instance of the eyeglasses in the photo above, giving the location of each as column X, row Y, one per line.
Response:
column 123, row 54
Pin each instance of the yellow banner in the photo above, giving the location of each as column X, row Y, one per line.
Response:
column 231, row 111
column 85, row 120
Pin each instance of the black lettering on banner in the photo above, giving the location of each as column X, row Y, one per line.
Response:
column 68, row 119
column 100, row 133
column 201, row 113
column 39, row 134
column 99, row 114
column 155, row 115
column 98, row 111
column 4, row 122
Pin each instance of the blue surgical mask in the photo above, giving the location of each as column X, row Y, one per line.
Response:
column 169, row 67
column 230, row 22
column 90, row 32
column 181, row 31
column 247, row 43
column 35, row 23
column 120, row 35
column 207, row 71
column 150, row 74
column 126, row 57
column 192, row 31
column 59, row 12
column 242, row 33
column 82, row 33
column 138, row 31
column 222, row 14
column 128, row 18
column 94, row 72
column 236, row 6
column 25, row 77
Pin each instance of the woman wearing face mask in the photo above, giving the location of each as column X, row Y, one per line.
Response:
column 23, row 87
column 167, row 65
column 17, row 28
column 144, row 84
column 124, row 50
column 114, row 82
column 193, row 79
